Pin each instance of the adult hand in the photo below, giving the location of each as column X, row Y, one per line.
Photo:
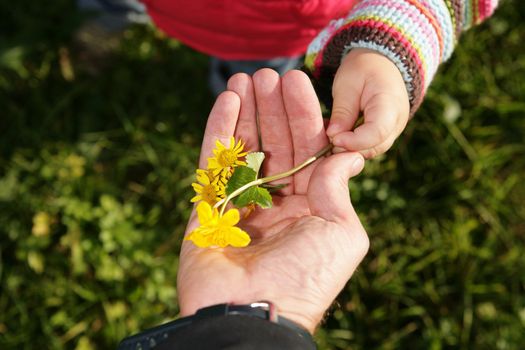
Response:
column 306, row 247
column 367, row 82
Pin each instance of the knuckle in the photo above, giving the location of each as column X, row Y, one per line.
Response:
column 367, row 154
column 362, row 243
column 374, row 152
column 358, row 243
column 382, row 132
column 342, row 111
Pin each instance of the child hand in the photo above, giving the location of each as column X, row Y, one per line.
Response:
column 367, row 82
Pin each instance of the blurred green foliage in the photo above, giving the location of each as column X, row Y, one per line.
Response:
column 95, row 170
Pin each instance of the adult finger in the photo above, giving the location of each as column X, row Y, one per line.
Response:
column 306, row 123
column 328, row 195
column 246, row 129
column 273, row 123
column 221, row 124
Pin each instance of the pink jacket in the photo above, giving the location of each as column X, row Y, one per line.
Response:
column 416, row 35
column 240, row 29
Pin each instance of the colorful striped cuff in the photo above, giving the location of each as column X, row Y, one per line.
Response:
column 416, row 35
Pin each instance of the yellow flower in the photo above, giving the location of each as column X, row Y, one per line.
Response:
column 208, row 189
column 226, row 159
column 216, row 230
column 41, row 224
column 220, row 180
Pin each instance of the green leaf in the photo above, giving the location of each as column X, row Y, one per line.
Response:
column 254, row 160
column 257, row 195
column 241, row 176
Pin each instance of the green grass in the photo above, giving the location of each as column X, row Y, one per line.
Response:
column 95, row 173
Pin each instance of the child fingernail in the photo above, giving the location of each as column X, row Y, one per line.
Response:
column 358, row 164
column 337, row 142
column 332, row 130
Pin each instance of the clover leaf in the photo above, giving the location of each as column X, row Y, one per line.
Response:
column 254, row 160
column 243, row 175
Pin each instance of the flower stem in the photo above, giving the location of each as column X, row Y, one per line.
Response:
column 275, row 177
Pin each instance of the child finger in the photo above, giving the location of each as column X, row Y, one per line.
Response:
column 379, row 124
column 379, row 149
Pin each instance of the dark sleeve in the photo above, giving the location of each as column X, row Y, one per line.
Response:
column 235, row 332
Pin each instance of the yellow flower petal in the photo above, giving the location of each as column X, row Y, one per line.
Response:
column 233, row 236
column 199, row 238
column 213, row 164
column 205, row 213
column 237, row 237
column 197, row 187
column 226, row 157
column 216, row 230
column 219, row 146
column 230, row 218
column 238, row 147
column 203, row 178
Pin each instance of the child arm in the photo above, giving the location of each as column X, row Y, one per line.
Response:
column 414, row 36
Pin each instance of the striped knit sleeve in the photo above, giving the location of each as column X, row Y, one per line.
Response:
column 416, row 35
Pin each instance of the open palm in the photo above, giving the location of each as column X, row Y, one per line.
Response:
column 305, row 248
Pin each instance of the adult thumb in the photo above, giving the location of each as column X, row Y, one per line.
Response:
column 328, row 195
